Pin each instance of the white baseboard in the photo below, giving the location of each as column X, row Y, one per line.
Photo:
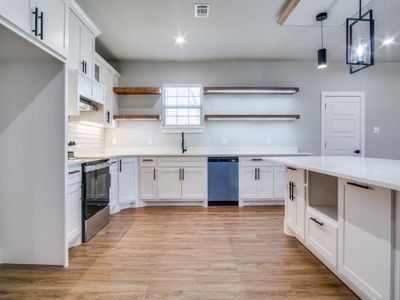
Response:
column 75, row 238
column 174, row 203
column 257, row 202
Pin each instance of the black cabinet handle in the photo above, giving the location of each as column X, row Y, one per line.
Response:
column 73, row 172
column 357, row 151
column 291, row 190
column 293, row 169
column 113, row 162
column 316, row 221
column 256, row 159
column 148, row 160
column 180, row 174
column 120, row 165
column 83, row 66
column 108, row 117
column 183, row 174
column 109, row 180
column 154, row 174
column 41, row 17
column 255, row 173
column 35, row 12
column 258, row 173
column 366, row 187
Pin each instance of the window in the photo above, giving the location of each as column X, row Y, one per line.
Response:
column 182, row 106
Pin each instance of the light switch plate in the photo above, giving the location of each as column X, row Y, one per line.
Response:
column 376, row 130
column 224, row 141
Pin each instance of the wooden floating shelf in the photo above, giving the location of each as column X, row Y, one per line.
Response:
column 252, row 90
column 137, row 117
column 250, row 117
column 137, row 90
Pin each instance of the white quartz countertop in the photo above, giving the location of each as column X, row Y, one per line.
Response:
column 380, row 172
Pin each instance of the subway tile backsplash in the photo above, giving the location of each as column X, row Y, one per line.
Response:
column 86, row 136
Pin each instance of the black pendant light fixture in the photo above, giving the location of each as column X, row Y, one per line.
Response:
column 360, row 41
column 322, row 58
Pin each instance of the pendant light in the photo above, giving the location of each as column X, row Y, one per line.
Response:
column 322, row 53
column 360, row 41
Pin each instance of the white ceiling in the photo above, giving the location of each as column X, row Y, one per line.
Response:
column 235, row 30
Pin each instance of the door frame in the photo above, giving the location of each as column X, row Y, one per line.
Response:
column 324, row 97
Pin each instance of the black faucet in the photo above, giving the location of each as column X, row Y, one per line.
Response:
column 184, row 148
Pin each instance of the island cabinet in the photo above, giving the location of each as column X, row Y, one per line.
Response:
column 366, row 237
column 295, row 201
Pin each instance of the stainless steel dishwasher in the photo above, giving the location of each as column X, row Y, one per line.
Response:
column 223, row 181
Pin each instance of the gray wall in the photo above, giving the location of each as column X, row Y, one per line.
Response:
column 381, row 84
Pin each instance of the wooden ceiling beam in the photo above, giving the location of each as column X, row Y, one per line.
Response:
column 287, row 11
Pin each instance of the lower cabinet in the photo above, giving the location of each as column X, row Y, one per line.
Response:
column 260, row 180
column 127, row 180
column 169, row 184
column 114, row 186
column 148, row 183
column 365, row 237
column 73, row 206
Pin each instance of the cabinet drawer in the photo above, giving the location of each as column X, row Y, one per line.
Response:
column 322, row 235
column 254, row 161
column 182, row 161
column 98, row 93
column 74, row 175
column 84, row 86
column 147, row 161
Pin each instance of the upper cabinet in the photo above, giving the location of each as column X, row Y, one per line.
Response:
column 82, row 34
column 45, row 20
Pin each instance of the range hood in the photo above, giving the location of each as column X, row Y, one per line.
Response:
column 86, row 105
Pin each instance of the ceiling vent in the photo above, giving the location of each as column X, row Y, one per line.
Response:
column 201, row 10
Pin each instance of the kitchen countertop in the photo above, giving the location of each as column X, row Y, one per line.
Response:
column 379, row 172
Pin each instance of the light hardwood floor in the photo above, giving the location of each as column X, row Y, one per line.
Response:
column 183, row 253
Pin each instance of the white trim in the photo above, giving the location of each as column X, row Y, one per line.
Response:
column 84, row 18
column 106, row 64
column 324, row 96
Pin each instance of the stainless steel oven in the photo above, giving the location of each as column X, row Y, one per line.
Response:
column 95, row 197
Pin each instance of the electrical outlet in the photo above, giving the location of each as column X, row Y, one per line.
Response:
column 149, row 141
column 376, row 130
column 224, row 141
column 114, row 141
column 269, row 140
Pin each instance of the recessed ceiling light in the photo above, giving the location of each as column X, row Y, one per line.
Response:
column 388, row 41
column 180, row 40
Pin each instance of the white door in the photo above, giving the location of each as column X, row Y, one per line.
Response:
column 279, row 182
column 87, row 51
column 74, row 43
column 265, row 183
column 365, row 235
column 248, row 183
column 148, row 184
column 342, row 123
column 194, row 184
column 18, row 12
column 169, row 183
column 54, row 18
column 127, row 179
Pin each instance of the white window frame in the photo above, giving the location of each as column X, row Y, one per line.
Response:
column 179, row 128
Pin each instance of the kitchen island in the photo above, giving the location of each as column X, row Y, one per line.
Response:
column 346, row 211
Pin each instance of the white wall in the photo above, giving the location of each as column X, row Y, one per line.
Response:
column 32, row 154
column 381, row 84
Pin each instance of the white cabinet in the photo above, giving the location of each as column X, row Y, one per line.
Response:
column 260, row 181
column 128, row 180
column 194, row 183
column 169, row 183
column 46, row 20
column 74, row 42
column 87, row 40
column 322, row 235
column 17, row 12
column 173, row 178
column 148, row 184
column 73, row 206
column 52, row 27
column 295, row 201
column 365, row 237
column 114, row 186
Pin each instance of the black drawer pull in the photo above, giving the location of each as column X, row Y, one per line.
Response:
column 256, row 159
column 316, row 221
column 293, row 169
column 73, row 172
column 148, row 160
column 366, row 187
column 113, row 162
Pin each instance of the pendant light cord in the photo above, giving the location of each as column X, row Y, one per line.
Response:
column 360, row 10
column 322, row 36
